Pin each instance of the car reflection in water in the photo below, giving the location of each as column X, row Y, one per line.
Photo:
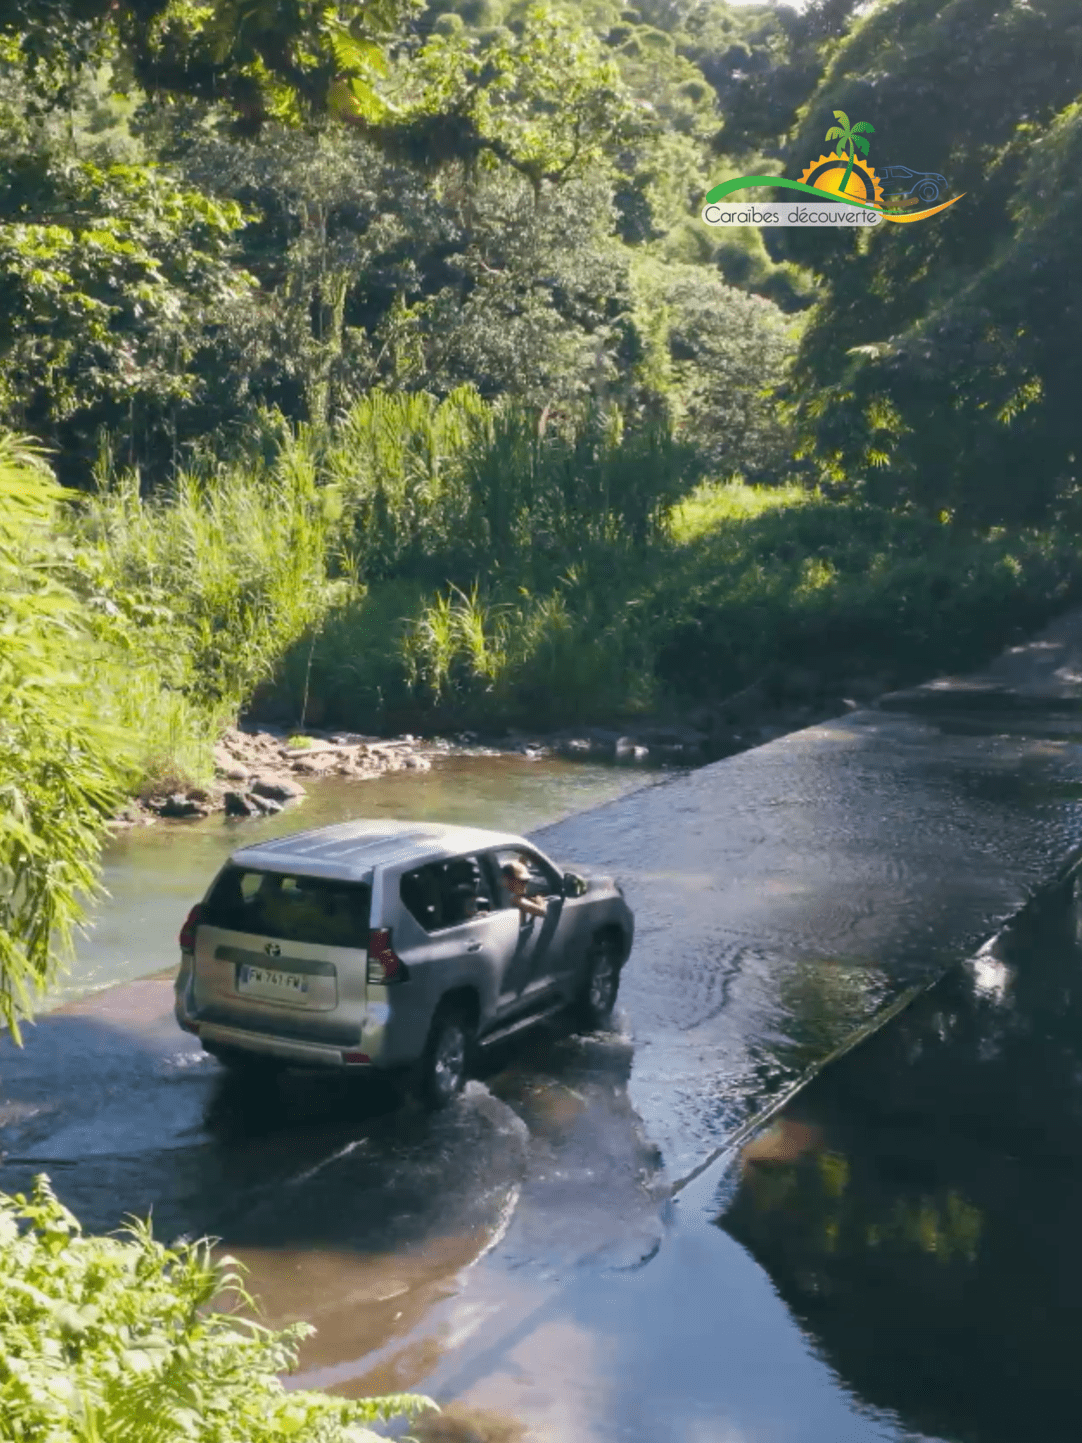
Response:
column 917, row 1206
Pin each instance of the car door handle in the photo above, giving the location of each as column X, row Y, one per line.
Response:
column 474, row 947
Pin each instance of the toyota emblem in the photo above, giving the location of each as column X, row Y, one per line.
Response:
column 272, row 949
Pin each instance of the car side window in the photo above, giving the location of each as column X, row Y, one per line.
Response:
column 445, row 894
column 541, row 881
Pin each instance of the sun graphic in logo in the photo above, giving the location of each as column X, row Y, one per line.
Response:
column 828, row 173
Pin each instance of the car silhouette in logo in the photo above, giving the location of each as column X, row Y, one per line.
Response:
column 925, row 185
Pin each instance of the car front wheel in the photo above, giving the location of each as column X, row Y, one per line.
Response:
column 602, row 981
column 445, row 1063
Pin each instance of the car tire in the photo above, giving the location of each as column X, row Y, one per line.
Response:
column 928, row 191
column 597, row 996
column 447, row 1056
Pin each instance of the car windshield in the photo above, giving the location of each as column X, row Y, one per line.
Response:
column 290, row 908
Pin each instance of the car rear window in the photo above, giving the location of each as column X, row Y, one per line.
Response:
column 290, row 908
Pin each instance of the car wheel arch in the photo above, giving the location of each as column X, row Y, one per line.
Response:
column 464, row 999
column 613, row 931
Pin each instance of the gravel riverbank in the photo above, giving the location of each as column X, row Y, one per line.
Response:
column 260, row 767
column 259, row 771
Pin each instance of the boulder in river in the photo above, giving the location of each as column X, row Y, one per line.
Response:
column 179, row 805
column 239, row 805
column 276, row 788
column 268, row 806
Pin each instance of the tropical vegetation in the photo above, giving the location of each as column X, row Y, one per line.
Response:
column 368, row 362
column 390, row 378
column 125, row 1339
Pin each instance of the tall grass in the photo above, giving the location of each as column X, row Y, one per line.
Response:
column 196, row 594
column 749, row 584
column 443, row 490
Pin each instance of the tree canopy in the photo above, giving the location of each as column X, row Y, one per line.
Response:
column 940, row 365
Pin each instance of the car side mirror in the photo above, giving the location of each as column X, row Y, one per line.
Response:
column 574, row 885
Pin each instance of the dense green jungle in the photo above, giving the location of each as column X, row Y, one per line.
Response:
column 372, row 361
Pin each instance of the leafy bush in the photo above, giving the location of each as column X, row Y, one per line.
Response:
column 751, row 582
column 766, row 579
column 126, row 1341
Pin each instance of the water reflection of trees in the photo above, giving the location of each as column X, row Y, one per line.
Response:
column 917, row 1206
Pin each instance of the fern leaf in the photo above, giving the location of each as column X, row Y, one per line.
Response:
column 353, row 55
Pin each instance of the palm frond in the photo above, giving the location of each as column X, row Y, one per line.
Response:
column 864, row 125
column 861, row 144
column 834, row 133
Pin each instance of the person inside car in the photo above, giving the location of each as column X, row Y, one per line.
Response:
column 464, row 893
column 514, row 876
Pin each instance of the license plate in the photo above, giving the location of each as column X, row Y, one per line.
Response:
column 264, row 982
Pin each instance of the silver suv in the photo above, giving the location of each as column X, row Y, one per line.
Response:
column 389, row 945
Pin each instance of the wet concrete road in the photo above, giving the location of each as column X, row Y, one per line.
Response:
column 518, row 1254
column 787, row 896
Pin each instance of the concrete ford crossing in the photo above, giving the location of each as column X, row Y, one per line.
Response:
column 391, row 945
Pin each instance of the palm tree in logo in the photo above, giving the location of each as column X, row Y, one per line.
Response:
column 850, row 137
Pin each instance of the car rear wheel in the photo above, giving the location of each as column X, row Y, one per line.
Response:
column 602, row 981
column 446, row 1060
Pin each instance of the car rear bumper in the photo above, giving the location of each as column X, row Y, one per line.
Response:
column 218, row 1032
column 290, row 1050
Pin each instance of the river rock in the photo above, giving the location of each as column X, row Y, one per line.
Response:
column 239, row 805
column 179, row 805
column 318, row 765
column 267, row 805
column 313, row 748
column 277, row 789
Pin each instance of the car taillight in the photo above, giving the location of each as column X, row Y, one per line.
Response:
column 384, row 964
column 187, row 932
